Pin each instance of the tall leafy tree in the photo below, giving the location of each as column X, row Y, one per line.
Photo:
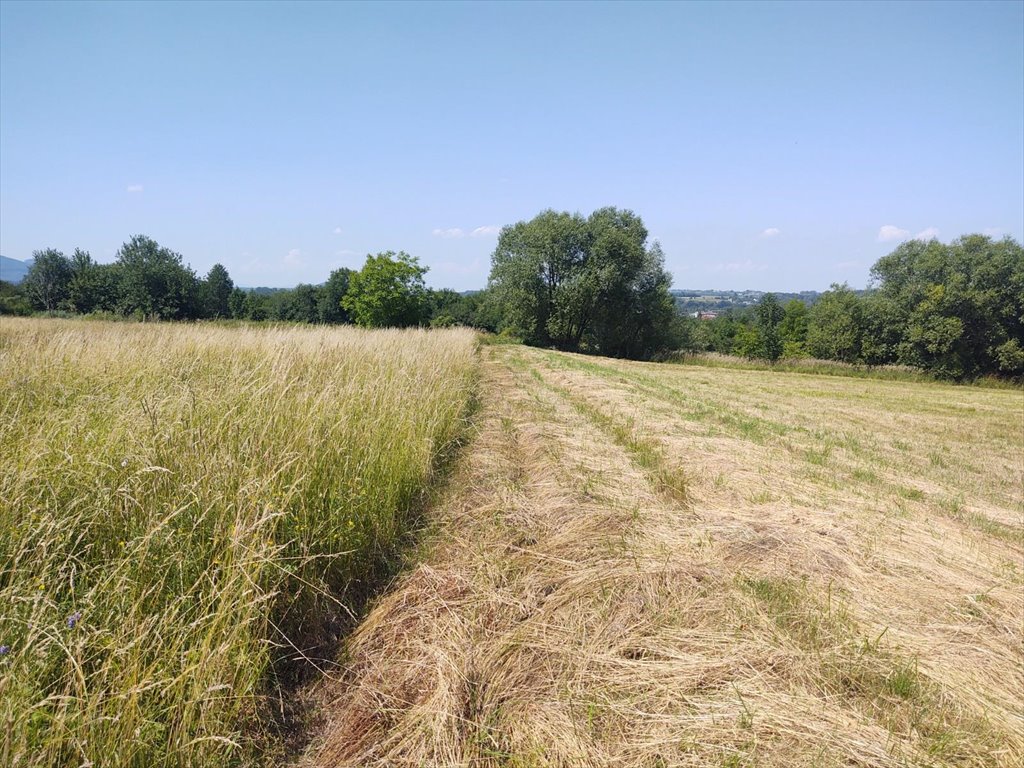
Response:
column 388, row 292
column 576, row 283
column 236, row 303
column 793, row 328
column 216, row 292
column 329, row 307
column 298, row 305
column 88, row 289
column 961, row 304
column 154, row 282
column 535, row 278
column 770, row 315
column 48, row 280
column 834, row 330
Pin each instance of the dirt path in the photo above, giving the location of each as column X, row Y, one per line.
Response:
column 636, row 567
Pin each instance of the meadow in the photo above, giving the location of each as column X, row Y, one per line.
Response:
column 189, row 514
column 644, row 565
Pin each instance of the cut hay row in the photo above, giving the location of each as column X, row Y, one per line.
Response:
column 184, row 509
column 842, row 584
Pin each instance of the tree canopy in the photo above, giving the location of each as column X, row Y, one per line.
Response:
column 154, row 282
column 388, row 292
column 583, row 283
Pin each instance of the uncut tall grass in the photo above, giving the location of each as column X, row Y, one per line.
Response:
column 182, row 505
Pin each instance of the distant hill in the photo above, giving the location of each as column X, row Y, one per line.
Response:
column 12, row 270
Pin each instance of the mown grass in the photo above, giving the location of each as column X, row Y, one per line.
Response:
column 814, row 366
column 867, row 673
column 647, row 453
column 185, row 511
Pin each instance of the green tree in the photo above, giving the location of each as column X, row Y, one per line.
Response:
column 770, row 315
column 961, row 304
column 793, row 327
column 387, row 292
column 93, row 287
column 834, row 330
column 256, row 306
column 532, row 277
column 883, row 327
column 236, row 303
column 331, row 293
column 154, row 282
column 297, row 305
column 48, row 280
column 13, row 300
column 576, row 283
column 217, row 288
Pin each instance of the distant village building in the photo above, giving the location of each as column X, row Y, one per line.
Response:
column 705, row 315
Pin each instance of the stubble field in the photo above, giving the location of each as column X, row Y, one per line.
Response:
column 655, row 565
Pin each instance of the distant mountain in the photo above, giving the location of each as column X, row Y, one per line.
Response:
column 12, row 270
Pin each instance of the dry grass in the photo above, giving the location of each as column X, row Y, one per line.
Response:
column 184, row 509
column 836, row 578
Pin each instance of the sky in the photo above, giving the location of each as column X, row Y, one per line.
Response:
column 766, row 146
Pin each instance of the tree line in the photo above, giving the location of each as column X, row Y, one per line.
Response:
column 149, row 282
column 592, row 284
column 954, row 310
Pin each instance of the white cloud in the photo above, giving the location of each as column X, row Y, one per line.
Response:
column 927, row 234
column 455, row 233
column 847, row 264
column 449, row 234
column 293, row 258
column 738, row 267
column 344, row 252
column 771, row 232
column 890, row 232
column 993, row 232
column 337, row 230
column 134, row 188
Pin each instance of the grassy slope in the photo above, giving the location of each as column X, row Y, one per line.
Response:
column 182, row 506
column 649, row 565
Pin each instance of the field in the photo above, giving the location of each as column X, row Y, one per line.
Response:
column 659, row 565
column 618, row 563
column 185, row 511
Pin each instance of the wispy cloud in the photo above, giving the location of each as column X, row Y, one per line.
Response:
column 738, row 267
column 890, row 232
column 455, row 233
column 134, row 188
column 992, row 232
column 930, row 233
column 337, row 230
column 847, row 264
column 770, row 232
column 449, row 234
column 293, row 258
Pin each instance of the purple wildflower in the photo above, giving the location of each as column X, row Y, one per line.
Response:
column 74, row 618
column 4, row 650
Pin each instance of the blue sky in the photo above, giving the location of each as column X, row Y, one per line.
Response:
column 767, row 146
